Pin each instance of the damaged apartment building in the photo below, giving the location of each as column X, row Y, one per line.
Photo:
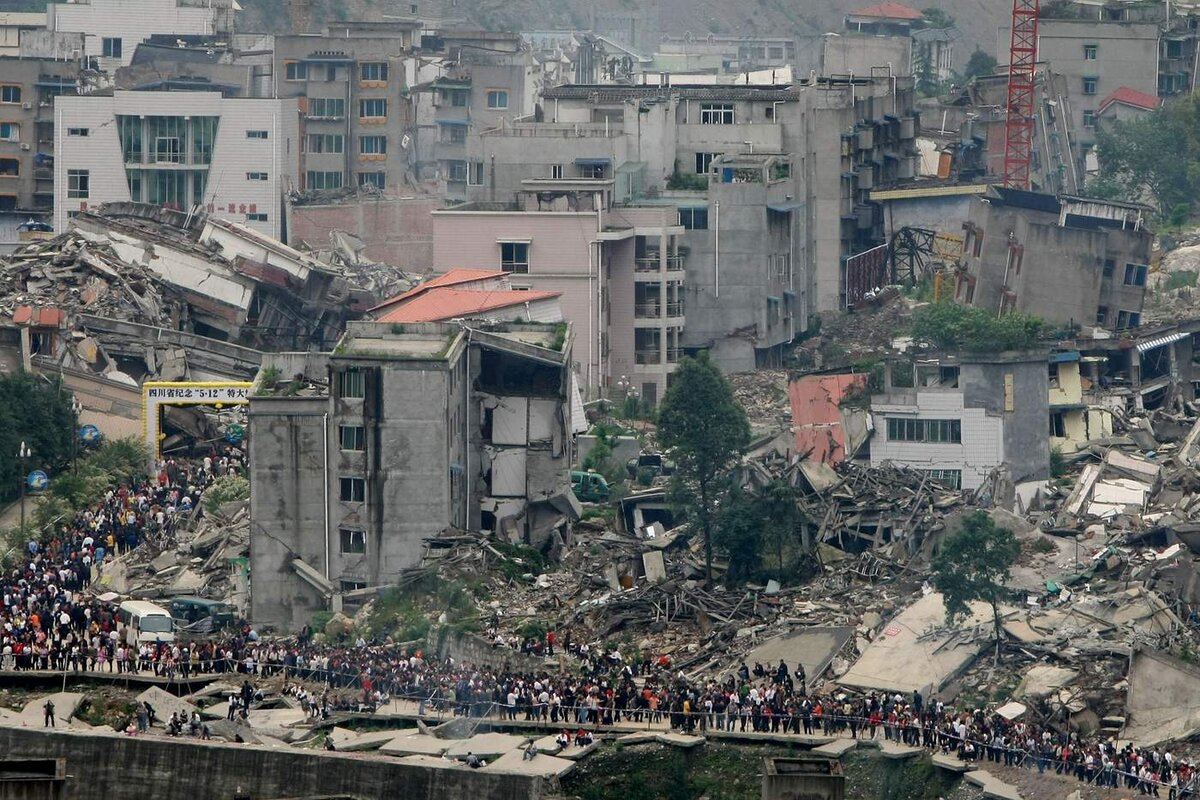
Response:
column 404, row 431
column 1071, row 261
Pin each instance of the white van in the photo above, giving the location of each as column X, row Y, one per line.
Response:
column 145, row 622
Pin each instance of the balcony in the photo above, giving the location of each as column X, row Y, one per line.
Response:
column 655, row 310
column 651, row 264
column 647, row 357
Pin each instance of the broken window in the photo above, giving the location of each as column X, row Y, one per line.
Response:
column 352, row 437
column 352, row 541
column 1128, row 319
column 352, row 490
column 1110, row 266
column 1135, row 274
column 351, row 383
column 950, row 478
column 1101, row 315
column 376, row 179
column 1058, row 425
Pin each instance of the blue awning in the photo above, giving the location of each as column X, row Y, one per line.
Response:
column 783, row 208
column 463, row 122
column 592, row 162
column 1058, row 358
column 690, row 206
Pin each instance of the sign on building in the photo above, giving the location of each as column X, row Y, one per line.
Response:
column 156, row 394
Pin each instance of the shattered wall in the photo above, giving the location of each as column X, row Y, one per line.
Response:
column 395, row 230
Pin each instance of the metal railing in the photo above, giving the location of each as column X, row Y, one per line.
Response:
column 652, row 264
column 647, row 310
column 647, row 357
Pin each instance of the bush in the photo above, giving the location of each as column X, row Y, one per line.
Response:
column 1183, row 279
column 225, row 489
column 950, row 326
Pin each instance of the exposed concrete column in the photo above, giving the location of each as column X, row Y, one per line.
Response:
column 1135, row 377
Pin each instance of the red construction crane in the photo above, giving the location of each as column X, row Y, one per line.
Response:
column 1022, row 64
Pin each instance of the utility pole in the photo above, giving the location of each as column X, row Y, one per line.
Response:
column 23, row 455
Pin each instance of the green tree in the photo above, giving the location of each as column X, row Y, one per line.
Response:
column 937, row 18
column 36, row 410
column 739, row 532
column 955, row 327
column 974, row 564
column 704, row 428
column 979, row 64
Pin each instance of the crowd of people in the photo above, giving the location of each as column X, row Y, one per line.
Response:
column 48, row 622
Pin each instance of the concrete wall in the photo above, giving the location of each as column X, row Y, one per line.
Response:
column 1015, row 392
column 229, row 192
column 848, row 53
column 134, row 21
column 395, row 230
column 167, row 768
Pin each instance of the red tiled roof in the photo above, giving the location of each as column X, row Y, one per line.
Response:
column 40, row 317
column 449, row 278
column 446, row 302
column 888, row 10
column 1130, row 97
column 817, row 415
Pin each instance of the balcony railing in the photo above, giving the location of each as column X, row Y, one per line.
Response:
column 647, row 356
column 651, row 264
column 675, row 309
column 647, row 310
column 672, row 355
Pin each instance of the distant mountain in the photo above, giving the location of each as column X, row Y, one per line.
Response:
column 805, row 19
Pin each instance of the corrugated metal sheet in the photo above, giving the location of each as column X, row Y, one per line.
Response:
column 1159, row 341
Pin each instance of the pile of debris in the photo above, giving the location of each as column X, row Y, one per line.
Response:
column 73, row 273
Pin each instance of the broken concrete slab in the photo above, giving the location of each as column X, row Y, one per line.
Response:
column 652, row 563
column 485, row 745
column 679, row 740
column 414, row 744
column 951, row 764
column 899, row 752
column 918, row 652
column 1160, row 705
column 813, row 648
column 515, row 763
column 33, row 715
column 372, row 740
column 641, row 737
column 164, row 704
column 836, row 748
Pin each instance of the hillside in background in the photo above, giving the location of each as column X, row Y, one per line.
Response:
column 805, row 19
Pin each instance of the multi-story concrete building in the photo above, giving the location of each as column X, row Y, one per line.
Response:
column 620, row 271
column 13, row 24
column 1068, row 260
column 960, row 418
column 351, row 81
column 28, row 91
column 234, row 157
column 435, row 426
column 113, row 28
column 482, row 81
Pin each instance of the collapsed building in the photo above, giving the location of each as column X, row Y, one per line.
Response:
column 401, row 432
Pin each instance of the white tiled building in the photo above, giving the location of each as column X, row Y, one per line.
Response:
column 234, row 157
column 113, row 28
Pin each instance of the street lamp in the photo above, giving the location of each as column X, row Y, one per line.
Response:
column 76, row 409
column 23, row 454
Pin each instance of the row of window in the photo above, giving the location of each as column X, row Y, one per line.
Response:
column 367, row 71
column 933, row 431
column 333, row 179
column 335, row 143
column 1125, row 319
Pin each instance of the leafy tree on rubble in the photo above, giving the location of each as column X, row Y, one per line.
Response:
column 979, row 64
column 952, row 326
column 704, row 428
column 973, row 565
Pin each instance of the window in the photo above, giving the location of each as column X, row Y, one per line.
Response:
column 514, row 256
column 323, row 179
column 10, row 94
column 9, row 167
column 1089, row 118
column 78, row 131
column 256, row 176
column 375, row 179
column 168, row 149
column 372, row 145
column 459, row 97
column 927, row 431
column 704, row 161
column 10, row 132
column 373, row 71
column 1135, row 274
column 112, row 47
column 352, row 541
column 351, row 383
column 475, row 173
column 326, row 108
column 295, row 71
column 454, row 134
column 1110, row 266
column 716, row 113
column 352, row 490
column 375, row 107
column 1090, row 51
column 1128, row 319
column 950, row 478
column 456, row 171
column 352, row 437
column 256, row 217
column 325, row 143
column 497, row 99
column 79, row 183
column 1091, row 84
column 1101, row 315
column 694, row 219
column 256, row 134
column 556, row 172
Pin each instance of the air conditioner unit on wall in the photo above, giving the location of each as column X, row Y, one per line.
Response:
column 25, row 146
column 27, row 106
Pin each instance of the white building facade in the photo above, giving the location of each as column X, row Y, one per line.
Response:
column 232, row 157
